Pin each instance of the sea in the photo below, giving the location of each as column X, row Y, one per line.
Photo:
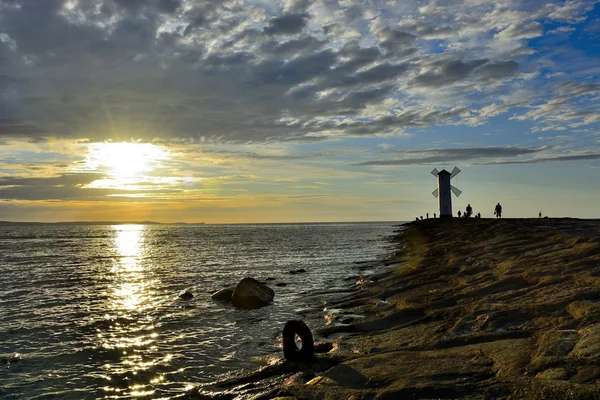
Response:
column 93, row 311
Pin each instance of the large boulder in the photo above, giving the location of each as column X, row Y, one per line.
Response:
column 250, row 293
column 223, row 294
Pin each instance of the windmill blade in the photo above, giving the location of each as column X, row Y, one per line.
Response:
column 435, row 193
column 434, row 172
column 455, row 172
column 455, row 191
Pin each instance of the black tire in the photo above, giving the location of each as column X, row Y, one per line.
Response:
column 291, row 352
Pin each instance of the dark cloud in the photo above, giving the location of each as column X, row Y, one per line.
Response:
column 395, row 40
column 498, row 70
column 63, row 187
column 447, row 72
column 381, row 72
column 436, row 156
column 67, row 179
column 230, row 71
column 168, row 6
column 297, row 70
column 70, row 187
column 288, row 24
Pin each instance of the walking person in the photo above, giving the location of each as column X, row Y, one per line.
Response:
column 498, row 211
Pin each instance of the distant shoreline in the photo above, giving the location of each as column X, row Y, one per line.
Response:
column 11, row 223
column 14, row 223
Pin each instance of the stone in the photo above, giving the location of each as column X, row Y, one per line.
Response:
column 281, row 284
column 297, row 271
column 186, row 295
column 250, row 294
column 323, row 347
column 223, row 294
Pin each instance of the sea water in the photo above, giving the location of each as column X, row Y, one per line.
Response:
column 94, row 312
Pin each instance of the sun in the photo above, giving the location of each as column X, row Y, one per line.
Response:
column 125, row 159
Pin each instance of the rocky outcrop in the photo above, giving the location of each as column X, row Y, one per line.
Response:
column 186, row 295
column 250, row 293
column 223, row 294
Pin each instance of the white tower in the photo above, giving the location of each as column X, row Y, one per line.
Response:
column 443, row 191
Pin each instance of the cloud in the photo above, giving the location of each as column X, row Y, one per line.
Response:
column 238, row 72
column 558, row 158
column 62, row 187
column 498, row 70
column 447, row 72
column 287, row 24
column 436, row 156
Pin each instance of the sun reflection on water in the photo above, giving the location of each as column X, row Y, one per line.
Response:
column 131, row 329
column 131, row 291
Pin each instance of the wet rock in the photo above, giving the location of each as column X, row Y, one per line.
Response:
column 186, row 295
column 250, row 294
column 323, row 347
column 281, row 284
column 223, row 294
column 297, row 271
column 270, row 279
column 13, row 358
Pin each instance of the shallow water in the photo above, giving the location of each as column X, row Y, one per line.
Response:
column 93, row 310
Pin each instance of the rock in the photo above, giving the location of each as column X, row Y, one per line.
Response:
column 323, row 347
column 297, row 271
column 281, row 284
column 186, row 295
column 223, row 294
column 11, row 359
column 250, row 293
column 270, row 279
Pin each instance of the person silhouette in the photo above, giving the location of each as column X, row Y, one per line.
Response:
column 469, row 210
column 498, row 211
column 434, row 215
column 540, row 215
column 459, row 213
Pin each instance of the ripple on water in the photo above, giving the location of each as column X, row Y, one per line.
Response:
column 95, row 314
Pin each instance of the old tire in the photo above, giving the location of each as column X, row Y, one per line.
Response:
column 291, row 352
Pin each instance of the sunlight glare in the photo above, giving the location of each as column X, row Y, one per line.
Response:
column 125, row 159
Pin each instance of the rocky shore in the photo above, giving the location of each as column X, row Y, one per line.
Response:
column 477, row 309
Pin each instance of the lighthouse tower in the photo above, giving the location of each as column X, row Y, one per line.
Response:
column 445, row 190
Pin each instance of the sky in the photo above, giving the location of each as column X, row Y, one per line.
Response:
column 246, row 111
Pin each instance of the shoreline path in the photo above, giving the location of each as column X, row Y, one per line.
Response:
column 479, row 308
